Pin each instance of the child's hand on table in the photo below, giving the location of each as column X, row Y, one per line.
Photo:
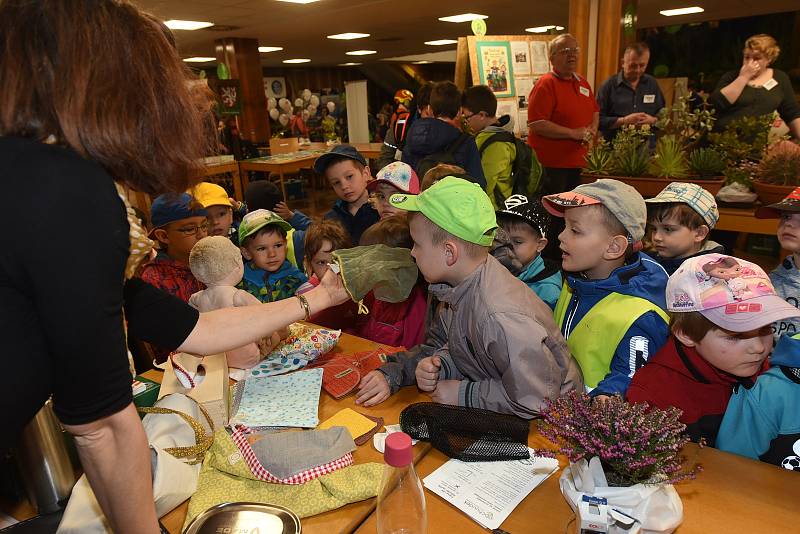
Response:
column 373, row 389
column 427, row 373
column 446, row 392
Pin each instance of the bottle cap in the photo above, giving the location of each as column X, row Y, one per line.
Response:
column 397, row 451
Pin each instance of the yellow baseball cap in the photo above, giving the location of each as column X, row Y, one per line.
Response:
column 208, row 194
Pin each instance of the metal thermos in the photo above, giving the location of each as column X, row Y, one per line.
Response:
column 47, row 471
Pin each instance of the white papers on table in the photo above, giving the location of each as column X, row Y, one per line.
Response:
column 489, row 491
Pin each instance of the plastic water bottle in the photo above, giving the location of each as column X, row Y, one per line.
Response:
column 401, row 502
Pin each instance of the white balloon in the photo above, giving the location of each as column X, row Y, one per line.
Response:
column 271, row 102
column 298, row 102
column 306, row 94
column 283, row 103
column 274, row 113
column 314, row 100
column 283, row 119
column 305, row 115
column 331, row 105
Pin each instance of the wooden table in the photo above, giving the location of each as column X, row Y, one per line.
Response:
column 222, row 168
column 349, row 517
column 744, row 220
column 731, row 494
column 369, row 150
column 281, row 164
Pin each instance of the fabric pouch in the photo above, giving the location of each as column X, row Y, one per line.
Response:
column 306, row 343
column 389, row 272
column 343, row 372
column 294, row 457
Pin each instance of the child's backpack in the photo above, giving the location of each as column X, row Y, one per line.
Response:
column 526, row 171
column 447, row 155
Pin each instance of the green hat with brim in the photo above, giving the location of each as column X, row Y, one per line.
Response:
column 456, row 206
column 258, row 219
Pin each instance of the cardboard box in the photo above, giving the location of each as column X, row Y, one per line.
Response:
column 211, row 392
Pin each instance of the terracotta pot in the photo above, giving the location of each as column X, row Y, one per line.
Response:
column 770, row 194
column 649, row 186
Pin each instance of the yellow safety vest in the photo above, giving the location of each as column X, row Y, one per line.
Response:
column 594, row 340
column 290, row 249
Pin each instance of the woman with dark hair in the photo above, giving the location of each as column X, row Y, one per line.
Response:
column 94, row 99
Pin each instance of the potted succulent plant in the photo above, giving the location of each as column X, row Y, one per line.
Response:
column 778, row 173
column 628, row 454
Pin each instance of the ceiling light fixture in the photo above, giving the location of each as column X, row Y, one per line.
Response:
column 187, row 24
column 297, row 60
column 349, row 64
column 348, row 35
column 441, row 42
column 423, row 62
column 361, row 52
column 682, row 11
column 265, row 49
column 199, row 59
column 464, row 17
column 299, row 1
column 544, row 29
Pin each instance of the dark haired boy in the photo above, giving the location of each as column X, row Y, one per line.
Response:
column 679, row 220
column 721, row 309
column 442, row 133
column 611, row 308
column 268, row 275
column 347, row 172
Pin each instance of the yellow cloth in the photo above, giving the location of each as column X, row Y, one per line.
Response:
column 354, row 422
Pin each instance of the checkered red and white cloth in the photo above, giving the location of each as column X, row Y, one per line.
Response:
column 239, row 437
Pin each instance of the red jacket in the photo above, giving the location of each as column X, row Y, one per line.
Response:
column 399, row 325
column 171, row 276
column 678, row 376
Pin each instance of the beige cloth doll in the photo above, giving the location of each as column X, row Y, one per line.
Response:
column 217, row 263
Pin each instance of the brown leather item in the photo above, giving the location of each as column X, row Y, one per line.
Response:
column 363, row 438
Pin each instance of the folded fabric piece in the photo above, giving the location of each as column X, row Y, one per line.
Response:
column 294, row 457
column 282, row 401
column 390, row 272
column 343, row 372
column 279, row 366
column 468, row 434
column 306, row 342
column 225, row 477
column 356, row 424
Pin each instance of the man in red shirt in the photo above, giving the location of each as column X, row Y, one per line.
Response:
column 562, row 118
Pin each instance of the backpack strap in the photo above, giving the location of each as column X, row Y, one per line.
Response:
column 497, row 137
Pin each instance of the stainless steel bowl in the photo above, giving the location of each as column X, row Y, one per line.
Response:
column 244, row 518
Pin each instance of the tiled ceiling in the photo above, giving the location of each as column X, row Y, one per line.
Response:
column 396, row 28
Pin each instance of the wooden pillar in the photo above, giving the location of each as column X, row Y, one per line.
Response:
column 578, row 26
column 603, row 29
column 244, row 63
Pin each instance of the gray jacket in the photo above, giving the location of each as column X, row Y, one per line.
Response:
column 497, row 336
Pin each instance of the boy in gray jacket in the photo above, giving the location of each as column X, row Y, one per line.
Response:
column 495, row 344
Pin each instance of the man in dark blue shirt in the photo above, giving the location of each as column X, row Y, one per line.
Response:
column 630, row 96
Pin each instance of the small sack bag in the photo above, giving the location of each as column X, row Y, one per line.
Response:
column 650, row 509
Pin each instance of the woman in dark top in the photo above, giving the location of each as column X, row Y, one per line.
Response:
column 756, row 89
column 94, row 96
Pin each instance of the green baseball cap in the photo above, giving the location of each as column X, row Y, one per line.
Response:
column 258, row 219
column 455, row 205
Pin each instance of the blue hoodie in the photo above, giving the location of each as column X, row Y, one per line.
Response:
column 763, row 422
column 544, row 278
column 428, row 136
column 642, row 277
column 269, row 287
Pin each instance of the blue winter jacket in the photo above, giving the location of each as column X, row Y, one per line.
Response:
column 355, row 225
column 640, row 277
column 763, row 422
column 544, row 278
column 429, row 136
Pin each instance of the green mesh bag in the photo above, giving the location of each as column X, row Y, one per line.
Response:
column 389, row 272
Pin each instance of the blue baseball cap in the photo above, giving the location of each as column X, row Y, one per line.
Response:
column 169, row 208
column 338, row 152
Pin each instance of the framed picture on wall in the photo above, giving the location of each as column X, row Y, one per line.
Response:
column 229, row 96
column 495, row 67
column 275, row 87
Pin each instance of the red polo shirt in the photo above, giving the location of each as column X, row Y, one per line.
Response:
column 569, row 103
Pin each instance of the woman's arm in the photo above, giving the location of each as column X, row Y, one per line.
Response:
column 228, row 328
column 122, row 484
column 733, row 90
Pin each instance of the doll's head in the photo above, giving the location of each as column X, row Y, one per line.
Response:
column 216, row 261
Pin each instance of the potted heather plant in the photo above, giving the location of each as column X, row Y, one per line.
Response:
column 778, row 173
column 628, row 454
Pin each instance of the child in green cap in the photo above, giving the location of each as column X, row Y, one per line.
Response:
column 268, row 275
column 495, row 345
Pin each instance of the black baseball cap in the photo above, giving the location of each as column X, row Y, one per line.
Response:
column 336, row 153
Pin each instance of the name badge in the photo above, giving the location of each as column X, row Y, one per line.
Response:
column 584, row 90
column 770, row 84
column 649, row 99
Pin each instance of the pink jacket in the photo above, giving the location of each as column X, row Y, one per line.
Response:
column 399, row 325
